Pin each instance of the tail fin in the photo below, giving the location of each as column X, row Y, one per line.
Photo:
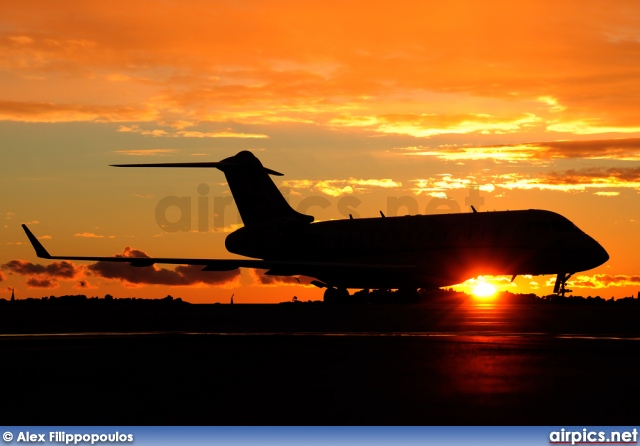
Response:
column 256, row 195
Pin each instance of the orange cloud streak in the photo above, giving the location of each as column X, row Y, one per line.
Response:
column 621, row 149
column 569, row 67
column 604, row 281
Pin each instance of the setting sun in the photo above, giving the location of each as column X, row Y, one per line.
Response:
column 484, row 289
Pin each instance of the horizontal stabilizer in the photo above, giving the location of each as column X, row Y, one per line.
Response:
column 217, row 165
column 258, row 199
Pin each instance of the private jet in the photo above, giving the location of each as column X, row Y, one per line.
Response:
column 408, row 252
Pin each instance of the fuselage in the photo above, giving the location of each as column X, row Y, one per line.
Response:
column 421, row 251
column 424, row 251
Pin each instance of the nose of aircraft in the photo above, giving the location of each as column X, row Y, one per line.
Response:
column 596, row 255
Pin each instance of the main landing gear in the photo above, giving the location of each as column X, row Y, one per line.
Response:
column 332, row 294
column 561, row 281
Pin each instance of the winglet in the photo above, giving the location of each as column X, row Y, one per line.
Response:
column 40, row 251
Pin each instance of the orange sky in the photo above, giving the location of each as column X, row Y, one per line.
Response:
column 533, row 102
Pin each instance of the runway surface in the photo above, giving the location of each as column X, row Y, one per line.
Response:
column 303, row 364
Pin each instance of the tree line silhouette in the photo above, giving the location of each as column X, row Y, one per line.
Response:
column 449, row 295
column 82, row 299
column 378, row 296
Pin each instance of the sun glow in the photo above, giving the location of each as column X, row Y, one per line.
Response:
column 484, row 289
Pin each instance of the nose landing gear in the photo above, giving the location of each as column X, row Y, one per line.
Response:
column 560, row 286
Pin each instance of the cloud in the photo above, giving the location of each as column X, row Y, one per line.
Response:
column 231, row 227
column 333, row 190
column 597, row 175
column 24, row 111
column 621, row 149
column 88, row 235
column 62, row 270
column 21, row 40
column 604, row 281
column 574, row 180
column 443, row 183
column 510, row 153
column 427, row 125
column 261, row 278
column 2, row 276
column 220, row 134
column 594, row 177
column 42, row 283
column 552, row 103
column 396, row 70
column 336, row 188
column 182, row 275
column 226, row 133
column 41, row 276
column 145, row 152
column 590, row 128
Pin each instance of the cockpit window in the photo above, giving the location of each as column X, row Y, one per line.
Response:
column 564, row 226
column 555, row 226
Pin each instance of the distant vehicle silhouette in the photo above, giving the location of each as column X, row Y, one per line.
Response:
column 421, row 251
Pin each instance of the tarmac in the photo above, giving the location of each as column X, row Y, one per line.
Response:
column 314, row 364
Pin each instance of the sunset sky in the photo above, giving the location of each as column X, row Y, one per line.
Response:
column 531, row 104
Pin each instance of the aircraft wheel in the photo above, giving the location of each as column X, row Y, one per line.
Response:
column 336, row 294
column 330, row 294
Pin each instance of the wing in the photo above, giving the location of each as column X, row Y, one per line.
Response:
column 213, row 264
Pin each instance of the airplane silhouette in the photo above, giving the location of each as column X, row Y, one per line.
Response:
column 409, row 252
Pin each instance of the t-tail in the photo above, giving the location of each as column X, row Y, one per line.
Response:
column 256, row 195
